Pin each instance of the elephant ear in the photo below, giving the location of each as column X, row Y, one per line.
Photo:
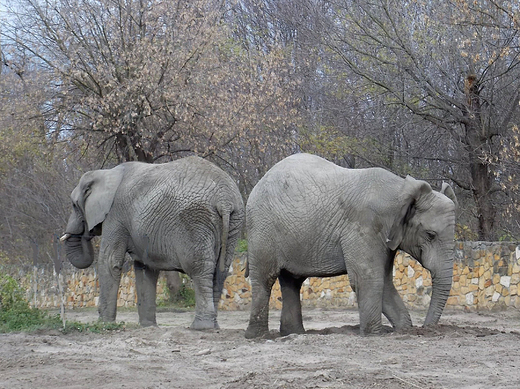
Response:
column 95, row 193
column 411, row 192
column 449, row 193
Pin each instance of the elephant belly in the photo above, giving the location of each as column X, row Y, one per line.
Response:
column 164, row 262
column 327, row 261
column 160, row 258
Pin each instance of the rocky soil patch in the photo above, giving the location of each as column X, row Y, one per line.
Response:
column 467, row 350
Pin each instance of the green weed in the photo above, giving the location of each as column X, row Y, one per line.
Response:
column 97, row 327
column 17, row 315
column 15, row 312
column 241, row 246
column 185, row 297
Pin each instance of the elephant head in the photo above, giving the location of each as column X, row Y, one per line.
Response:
column 425, row 228
column 92, row 199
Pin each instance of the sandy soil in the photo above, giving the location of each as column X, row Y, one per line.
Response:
column 467, row 350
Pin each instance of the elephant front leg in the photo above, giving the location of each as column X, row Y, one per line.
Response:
column 110, row 264
column 291, row 321
column 369, row 294
column 393, row 305
column 146, row 288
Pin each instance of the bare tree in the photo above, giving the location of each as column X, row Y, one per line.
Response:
column 130, row 80
column 35, row 173
column 446, row 86
column 149, row 80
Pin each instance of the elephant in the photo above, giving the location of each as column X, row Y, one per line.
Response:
column 308, row 217
column 184, row 215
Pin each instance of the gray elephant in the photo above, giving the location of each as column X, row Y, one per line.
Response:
column 184, row 215
column 309, row 217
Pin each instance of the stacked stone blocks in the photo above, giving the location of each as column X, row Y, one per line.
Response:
column 486, row 276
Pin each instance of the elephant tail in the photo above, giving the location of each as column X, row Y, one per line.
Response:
column 225, row 214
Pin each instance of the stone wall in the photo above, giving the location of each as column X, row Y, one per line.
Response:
column 486, row 276
column 80, row 288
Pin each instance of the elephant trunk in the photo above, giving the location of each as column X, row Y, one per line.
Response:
column 441, row 286
column 77, row 240
column 79, row 251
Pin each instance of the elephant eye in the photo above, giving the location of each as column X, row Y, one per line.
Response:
column 430, row 235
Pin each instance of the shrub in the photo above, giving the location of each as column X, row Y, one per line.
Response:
column 15, row 312
column 17, row 315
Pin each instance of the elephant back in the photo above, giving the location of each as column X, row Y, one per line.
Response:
column 191, row 190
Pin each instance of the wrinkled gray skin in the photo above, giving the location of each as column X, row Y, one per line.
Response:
column 184, row 215
column 309, row 217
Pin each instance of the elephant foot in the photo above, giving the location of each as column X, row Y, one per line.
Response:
column 253, row 332
column 403, row 327
column 148, row 323
column 204, row 324
column 370, row 330
column 107, row 316
column 287, row 330
column 105, row 319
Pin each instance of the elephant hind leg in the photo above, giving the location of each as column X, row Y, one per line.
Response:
column 291, row 321
column 205, row 309
column 261, row 286
column 219, row 277
column 218, row 285
column 146, row 288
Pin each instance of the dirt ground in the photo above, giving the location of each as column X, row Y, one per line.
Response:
column 467, row 350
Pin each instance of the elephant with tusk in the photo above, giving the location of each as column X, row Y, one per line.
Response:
column 308, row 217
column 184, row 215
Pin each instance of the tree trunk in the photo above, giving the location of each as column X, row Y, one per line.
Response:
column 478, row 141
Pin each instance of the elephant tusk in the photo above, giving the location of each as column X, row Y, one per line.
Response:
column 64, row 237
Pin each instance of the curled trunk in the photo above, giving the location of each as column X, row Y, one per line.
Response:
column 77, row 240
column 79, row 251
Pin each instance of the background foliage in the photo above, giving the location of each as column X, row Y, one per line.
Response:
column 427, row 88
